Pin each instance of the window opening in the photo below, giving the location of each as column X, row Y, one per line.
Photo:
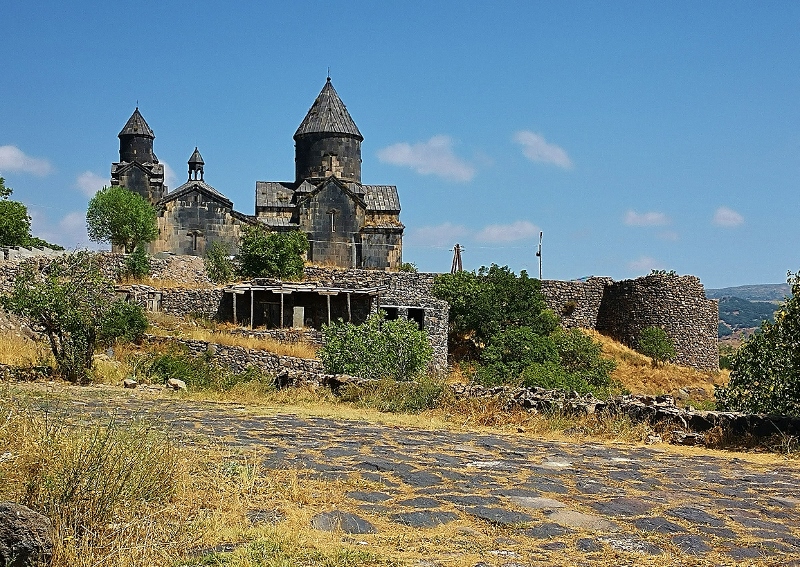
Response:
column 418, row 315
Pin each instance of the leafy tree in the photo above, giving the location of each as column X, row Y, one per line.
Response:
column 654, row 342
column 765, row 371
column 15, row 223
column 137, row 263
column 377, row 349
column 121, row 217
column 66, row 301
column 492, row 300
column 219, row 266
column 272, row 254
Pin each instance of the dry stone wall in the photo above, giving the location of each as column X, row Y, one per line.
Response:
column 576, row 302
column 677, row 304
column 239, row 359
column 623, row 309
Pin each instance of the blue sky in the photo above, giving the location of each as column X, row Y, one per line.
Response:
column 635, row 135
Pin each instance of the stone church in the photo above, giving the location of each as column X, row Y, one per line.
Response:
column 349, row 224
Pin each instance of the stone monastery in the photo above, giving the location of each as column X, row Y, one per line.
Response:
column 349, row 224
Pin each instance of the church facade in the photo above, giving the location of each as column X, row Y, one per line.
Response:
column 348, row 224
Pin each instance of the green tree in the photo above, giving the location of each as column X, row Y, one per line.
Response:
column 15, row 223
column 264, row 254
column 377, row 349
column 494, row 299
column 66, row 301
column 219, row 266
column 121, row 217
column 765, row 371
column 654, row 342
column 124, row 321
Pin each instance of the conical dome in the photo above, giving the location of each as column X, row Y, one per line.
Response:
column 328, row 115
column 137, row 126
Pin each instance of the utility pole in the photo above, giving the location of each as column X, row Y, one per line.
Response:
column 539, row 255
column 457, row 266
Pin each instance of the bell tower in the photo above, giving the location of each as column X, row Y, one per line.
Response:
column 328, row 141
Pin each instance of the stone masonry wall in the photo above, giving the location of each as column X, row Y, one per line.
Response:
column 576, row 302
column 620, row 309
column 406, row 290
column 238, row 359
column 677, row 304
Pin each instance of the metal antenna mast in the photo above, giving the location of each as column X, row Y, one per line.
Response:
column 539, row 255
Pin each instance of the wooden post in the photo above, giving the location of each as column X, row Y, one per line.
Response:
column 252, row 306
column 329, row 309
column 234, row 294
column 349, row 314
column 281, row 325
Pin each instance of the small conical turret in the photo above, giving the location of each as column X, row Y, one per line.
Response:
column 196, row 164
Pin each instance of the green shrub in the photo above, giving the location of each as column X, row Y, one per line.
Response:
column 218, row 263
column 137, row 263
column 124, row 321
column 582, row 356
column 377, row 349
column 654, row 342
column 510, row 352
column 765, row 371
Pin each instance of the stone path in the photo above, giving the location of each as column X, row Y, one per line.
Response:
column 558, row 499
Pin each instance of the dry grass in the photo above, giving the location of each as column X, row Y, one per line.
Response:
column 218, row 333
column 637, row 373
column 166, row 283
column 19, row 350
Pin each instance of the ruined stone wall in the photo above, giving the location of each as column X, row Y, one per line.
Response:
column 577, row 303
column 407, row 290
column 677, row 304
column 239, row 359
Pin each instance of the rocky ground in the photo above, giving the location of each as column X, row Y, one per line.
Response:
column 554, row 503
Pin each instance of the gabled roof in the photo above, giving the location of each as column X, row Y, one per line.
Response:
column 284, row 195
column 202, row 187
column 137, row 126
column 328, row 114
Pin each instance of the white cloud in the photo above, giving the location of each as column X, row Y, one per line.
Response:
column 518, row 230
column 445, row 234
column 644, row 264
column 653, row 218
column 536, row 148
column 69, row 231
column 170, row 179
column 90, row 183
column 727, row 218
column 14, row 159
column 434, row 157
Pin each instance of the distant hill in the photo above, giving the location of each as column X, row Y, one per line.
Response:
column 737, row 314
column 762, row 292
